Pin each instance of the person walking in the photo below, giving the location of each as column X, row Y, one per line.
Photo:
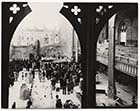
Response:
column 68, row 86
column 64, row 84
column 58, row 102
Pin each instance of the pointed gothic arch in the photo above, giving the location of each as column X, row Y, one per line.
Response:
column 88, row 24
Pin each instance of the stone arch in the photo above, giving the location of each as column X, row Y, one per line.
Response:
column 88, row 32
column 88, row 23
column 122, row 19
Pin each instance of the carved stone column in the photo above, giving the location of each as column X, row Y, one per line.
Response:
column 111, row 59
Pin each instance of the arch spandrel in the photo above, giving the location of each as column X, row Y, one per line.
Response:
column 10, row 21
column 87, row 28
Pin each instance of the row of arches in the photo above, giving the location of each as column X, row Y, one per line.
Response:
column 88, row 34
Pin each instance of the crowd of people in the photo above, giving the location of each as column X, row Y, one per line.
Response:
column 17, row 65
column 67, row 74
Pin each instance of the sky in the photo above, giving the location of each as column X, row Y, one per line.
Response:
column 43, row 15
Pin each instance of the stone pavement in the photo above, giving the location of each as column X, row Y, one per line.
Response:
column 42, row 96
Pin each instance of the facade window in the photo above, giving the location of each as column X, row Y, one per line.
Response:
column 46, row 40
column 123, row 30
column 56, row 40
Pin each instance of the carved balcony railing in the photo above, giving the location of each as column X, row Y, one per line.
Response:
column 123, row 64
